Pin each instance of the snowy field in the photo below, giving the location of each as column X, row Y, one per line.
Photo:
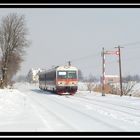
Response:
column 27, row 108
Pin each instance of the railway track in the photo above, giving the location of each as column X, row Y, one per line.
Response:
column 105, row 104
column 82, row 114
column 77, row 113
column 47, row 114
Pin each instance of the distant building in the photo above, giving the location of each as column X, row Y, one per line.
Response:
column 110, row 79
column 33, row 76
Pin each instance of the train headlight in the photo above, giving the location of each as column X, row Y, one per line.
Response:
column 61, row 83
column 73, row 83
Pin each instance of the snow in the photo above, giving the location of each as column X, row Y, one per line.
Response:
column 27, row 108
column 82, row 86
column 136, row 90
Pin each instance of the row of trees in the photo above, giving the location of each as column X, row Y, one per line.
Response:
column 129, row 82
column 135, row 78
column 91, row 78
column 13, row 41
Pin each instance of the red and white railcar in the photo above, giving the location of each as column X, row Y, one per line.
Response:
column 61, row 79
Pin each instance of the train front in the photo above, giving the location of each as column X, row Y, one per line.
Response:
column 66, row 80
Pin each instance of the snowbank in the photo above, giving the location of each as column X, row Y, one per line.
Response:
column 16, row 112
column 82, row 86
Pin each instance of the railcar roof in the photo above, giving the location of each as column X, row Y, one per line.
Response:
column 59, row 68
column 66, row 68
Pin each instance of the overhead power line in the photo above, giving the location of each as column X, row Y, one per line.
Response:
column 85, row 57
column 131, row 44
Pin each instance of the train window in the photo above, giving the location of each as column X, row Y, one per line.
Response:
column 50, row 76
column 72, row 74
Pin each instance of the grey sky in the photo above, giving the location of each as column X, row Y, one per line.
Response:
column 59, row 35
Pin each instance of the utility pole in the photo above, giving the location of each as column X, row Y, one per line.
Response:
column 103, row 72
column 69, row 63
column 120, row 71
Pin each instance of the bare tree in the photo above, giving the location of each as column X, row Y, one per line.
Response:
column 127, row 87
column 91, row 82
column 13, row 66
column 129, row 82
column 13, row 40
column 90, row 86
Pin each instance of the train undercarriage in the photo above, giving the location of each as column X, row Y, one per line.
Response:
column 66, row 90
column 62, row 90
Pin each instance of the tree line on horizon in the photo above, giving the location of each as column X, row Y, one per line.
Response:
column 94, row 78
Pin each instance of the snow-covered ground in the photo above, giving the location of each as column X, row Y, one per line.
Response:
column 27, row 108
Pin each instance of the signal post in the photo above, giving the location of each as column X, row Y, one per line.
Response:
column 120, row 71
column 103, row 72
column 103, row 67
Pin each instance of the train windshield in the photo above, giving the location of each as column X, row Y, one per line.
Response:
column 71, row 74
column 62, row 74
column 66, row 74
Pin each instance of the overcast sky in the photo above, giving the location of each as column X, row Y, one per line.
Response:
column 59, row 35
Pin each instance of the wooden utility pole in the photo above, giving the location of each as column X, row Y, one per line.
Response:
column 120, row 71
column 103, row 72
column 69, row 63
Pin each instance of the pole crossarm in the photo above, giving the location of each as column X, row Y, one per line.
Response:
column 111, row 52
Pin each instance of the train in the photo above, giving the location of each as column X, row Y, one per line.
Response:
column 60, row 80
